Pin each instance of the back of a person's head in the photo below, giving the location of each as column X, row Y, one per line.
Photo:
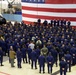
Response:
column 62, row 58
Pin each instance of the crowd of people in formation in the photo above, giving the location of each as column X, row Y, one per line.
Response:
column 40, row 44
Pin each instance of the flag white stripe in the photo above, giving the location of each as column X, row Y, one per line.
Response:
column 49, row 13
column 73, row 23
column 59, row 6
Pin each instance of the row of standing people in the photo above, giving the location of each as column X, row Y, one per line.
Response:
column 50, row 59
column 55, row 22
column 34, row 55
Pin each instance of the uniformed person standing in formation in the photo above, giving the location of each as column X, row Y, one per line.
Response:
column 29, row 50
column 68, row 59
column 50, row 62
column 19, row 58
column 37, row 50
column 1, row 56
column 63, row 66
column 12, row 57
column 59, row 34
column 61, row 54
column 73, row 53
column 55, row 55
column 24, row 56
column 41, row 61
column 39, row 21
column 33, row 59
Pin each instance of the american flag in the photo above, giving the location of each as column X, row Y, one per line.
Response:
column 48, row 10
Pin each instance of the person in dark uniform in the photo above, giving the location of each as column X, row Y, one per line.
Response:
column 24, row 56
column 4, row 47
column 1, row 56
column 68, row 23
column 58, row 21
column 61, row 21
column 51, row 22
column 64, row 21
column 61, row 54
column 45, row 23
column 63, row 66
column 68, row 59
column 55, row 55
column 73, row 53
column 29, row 50
column 33, row 59
column 54, row 22
column 37, row 50
column 19, row 57
column 39, row 21
column 41, row 61
column 50, row 62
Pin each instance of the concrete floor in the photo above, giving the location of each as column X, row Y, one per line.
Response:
column 26, row 69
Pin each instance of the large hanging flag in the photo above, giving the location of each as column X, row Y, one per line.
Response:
column 48, row 10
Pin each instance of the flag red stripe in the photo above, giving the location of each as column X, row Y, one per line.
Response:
column 48, row 17
column 49, row 9
column 60, row 1
column 28, row 22
column 74, row 27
